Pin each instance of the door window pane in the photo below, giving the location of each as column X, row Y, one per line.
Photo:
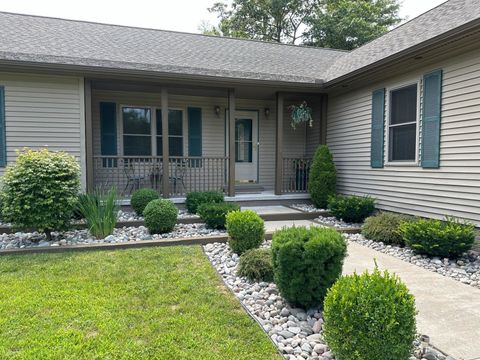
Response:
column 243, row 140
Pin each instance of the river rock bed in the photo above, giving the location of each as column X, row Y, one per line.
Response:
column 339, row 224
column 308, row 208
column 465, row 269
column 125, row 216
column 297, row 333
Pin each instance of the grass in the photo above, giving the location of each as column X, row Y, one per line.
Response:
column 155, row 303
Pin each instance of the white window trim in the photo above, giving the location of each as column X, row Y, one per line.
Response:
column 387, row 123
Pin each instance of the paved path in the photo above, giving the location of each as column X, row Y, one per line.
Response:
column 448, row 311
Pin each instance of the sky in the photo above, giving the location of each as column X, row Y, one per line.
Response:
column 179, row 15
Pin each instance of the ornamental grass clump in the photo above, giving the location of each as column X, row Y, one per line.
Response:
column 160, row 216
column 306, row 262
column 195, row 199
column 322, row 178
column 140, row 199
column 370, row 317
column 352, row 209
column 40, row 190
column 246, row 230
column 99, row 209
column 450, row 238
column 385, row 227
column 214, row 215
column 256, row 265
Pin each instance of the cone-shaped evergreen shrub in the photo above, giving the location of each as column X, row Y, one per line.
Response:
column 323, row 177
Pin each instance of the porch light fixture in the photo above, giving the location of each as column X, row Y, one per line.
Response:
column 217, row 110
column 267, row 112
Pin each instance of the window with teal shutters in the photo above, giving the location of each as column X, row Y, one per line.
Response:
column 195, row 134
column 3, row 144
column 108, row 132
column 431, row 120
column 378, row 128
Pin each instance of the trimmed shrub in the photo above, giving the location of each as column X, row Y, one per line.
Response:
column 449, row 238
column 141, row 198
column 246, row 230
column 214, row 215
column 256, row 265
column 100, row 211
column 322, row 178
column 306, row 262
column 160, row 216
column 195, row 199
column 370, row 316
column 384, row 227
column 353, row 209
column 40, row 190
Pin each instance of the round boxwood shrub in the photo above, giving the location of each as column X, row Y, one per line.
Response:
column 246, row 230
column 195, row 199
column 256, row 265
column 306, row 262
column 140, row 199
column 384, row 227
column 450, row 238
column 353, row 209
column 214, row 215
column 40, row 190
column 160, row 216
column 369, row 316
column 322, row 178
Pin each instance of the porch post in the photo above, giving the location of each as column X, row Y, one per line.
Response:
column 323, row 119
column 231, row 142
column 165, row 147
column 88, row 134
column 279, row 146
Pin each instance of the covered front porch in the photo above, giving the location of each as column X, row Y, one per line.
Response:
column 127, row 145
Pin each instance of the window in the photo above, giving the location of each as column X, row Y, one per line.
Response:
column 243, row 140
column 136, row 131
column 175, row 132
column 402, row 128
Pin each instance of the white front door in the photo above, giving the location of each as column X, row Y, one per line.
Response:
column 246, row 146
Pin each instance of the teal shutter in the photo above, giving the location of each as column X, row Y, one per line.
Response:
column 378, row 128
column 431, row 120
column 195, row 133
column 3, row 142
column 108, row 132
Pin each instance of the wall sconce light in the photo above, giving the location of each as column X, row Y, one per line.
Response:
column 217, row 110
column 267, row 112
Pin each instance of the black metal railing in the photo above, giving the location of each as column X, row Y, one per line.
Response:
column 295, row 174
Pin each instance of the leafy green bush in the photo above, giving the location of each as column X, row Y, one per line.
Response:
column 323, row 177
column 40, row 190
column 99, row 209
column 140, row 199
column 450, row 238
column 384, row 227
column 256, row 265
column 246, row 230
column 369, row 316
column 306, row 262
column 214, row 215
column 160, row 216
column 195, row 199
column 352, row 209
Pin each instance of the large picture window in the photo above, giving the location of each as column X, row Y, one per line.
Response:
column 402, row 127
column 175, row 132
column 137, row 131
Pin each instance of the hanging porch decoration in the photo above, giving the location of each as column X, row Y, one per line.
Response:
column 300, row 114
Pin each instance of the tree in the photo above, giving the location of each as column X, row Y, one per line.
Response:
column 280, row 21
column 348, row 24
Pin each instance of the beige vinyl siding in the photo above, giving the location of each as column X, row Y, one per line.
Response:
column 454, row 189
column 44, row 111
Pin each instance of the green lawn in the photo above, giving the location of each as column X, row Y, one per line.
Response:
column 156, row 303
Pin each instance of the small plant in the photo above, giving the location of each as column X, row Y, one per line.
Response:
column 323, row 177
column 99, row 209
column 256, row 265
column 449, row 238
column 370, row 316
column 140, row 199
column 306, row 262
column 40, row 190
column 301, row 114
column 214, row 215
column 353, row 209
column 195, row 199
column 246, row 230
column 160, row 216
column 384, row 227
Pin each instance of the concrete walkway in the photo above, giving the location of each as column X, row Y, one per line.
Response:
column 448, row 311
